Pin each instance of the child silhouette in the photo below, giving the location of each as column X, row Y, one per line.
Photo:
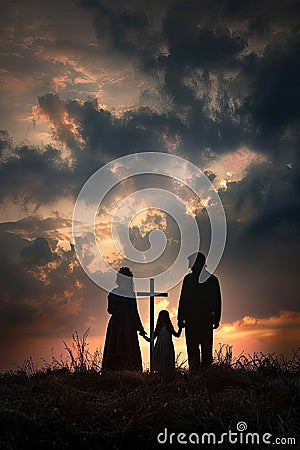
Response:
column 164, row 354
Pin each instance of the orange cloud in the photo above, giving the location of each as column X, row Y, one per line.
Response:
column 278, row 333
column 233, row 166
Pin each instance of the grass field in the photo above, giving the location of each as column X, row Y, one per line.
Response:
column 70, row 404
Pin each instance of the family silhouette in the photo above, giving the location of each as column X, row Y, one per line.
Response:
column 199, row 313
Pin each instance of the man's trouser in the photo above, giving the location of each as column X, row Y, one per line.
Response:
column 194, row 339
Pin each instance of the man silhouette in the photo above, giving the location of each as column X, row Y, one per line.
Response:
column 199, row 311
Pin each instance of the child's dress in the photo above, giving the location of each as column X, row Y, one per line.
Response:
column 163, row 353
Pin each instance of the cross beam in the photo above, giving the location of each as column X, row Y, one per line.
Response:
column 152, row 294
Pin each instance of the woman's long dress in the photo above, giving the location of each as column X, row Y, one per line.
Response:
column 164, row 353
column 122, row 350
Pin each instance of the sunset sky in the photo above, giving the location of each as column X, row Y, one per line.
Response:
column 85, row 82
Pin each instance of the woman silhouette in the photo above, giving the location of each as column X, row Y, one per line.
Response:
column 121, row 349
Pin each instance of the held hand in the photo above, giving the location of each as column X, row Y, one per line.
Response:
column 178, row 334
column 144, row 335
column 216, row 325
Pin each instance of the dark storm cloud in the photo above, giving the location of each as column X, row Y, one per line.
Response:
column 196, row 46
column 192, row 44
column 11, row 246
column 173, row 42
column 251, row 107
column 39, row 252
column 259, row 16
column 117, row 25
column 45, row 294
column 257, row 93
column 13, row 312
column 274, row 101
column 262, row 250
column 176, row 21
column 100, row 134
column 129, row 30
column 34, row 175
column 263, row 207
column 35, row 225
column 41, row 174
column 6, row 143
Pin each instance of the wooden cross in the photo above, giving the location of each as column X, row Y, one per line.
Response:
column 152, row 294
